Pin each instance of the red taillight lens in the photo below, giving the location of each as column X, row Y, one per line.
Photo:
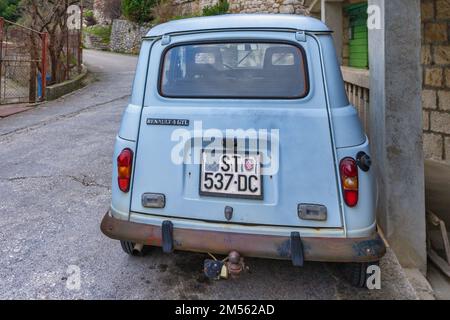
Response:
column 124, row 164
column 349, row 181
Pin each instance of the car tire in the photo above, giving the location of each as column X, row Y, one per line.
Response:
column 358, row 273
column 127, row 247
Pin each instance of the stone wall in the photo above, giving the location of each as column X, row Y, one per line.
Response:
column 99, row 14
column 187, row 7
column 105, row 11
column 91, row 41
column 126, row 36
column 246, row 6
column 436, row 78
column 268, row 6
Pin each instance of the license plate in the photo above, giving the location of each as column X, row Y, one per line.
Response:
column 231, row 175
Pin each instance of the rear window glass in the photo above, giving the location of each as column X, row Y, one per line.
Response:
column 234, row 70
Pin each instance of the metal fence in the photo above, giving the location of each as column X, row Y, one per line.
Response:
column 23, row 61
column 25, row 65
column 73, row 53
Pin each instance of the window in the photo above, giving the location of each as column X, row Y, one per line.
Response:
column 234, row 70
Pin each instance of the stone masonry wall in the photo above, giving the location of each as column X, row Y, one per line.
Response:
column 267, row 6
column 91, row 41
column 105, row 11
column 98, row 11
column 246, row 6
column 436, row 78
column 126, row 36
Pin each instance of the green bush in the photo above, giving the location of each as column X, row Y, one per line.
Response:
column 139, row 11
column 88, row 13
column 89, row 17
column 220, row 7
column 9, row 9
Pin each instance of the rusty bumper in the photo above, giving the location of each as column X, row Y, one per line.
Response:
column 251, row 245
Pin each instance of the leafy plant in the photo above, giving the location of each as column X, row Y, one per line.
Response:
column 220, row 7
column 89, row 18
column 139, row 11
column 9, row 9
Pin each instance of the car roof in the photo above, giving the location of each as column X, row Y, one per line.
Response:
column 240, row 21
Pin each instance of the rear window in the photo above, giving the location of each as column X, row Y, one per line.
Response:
column 234, row 70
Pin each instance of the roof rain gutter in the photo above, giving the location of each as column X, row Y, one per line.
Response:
column 178, row 33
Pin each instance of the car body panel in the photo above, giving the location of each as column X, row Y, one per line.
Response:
column 303, row 128
column 316, row 132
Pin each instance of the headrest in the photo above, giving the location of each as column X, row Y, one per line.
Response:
column 281, row 57
column 203, row 59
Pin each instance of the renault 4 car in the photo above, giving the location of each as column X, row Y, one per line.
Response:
column 239, row 137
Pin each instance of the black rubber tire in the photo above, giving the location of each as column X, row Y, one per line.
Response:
column 358, row 273
column 127, row 247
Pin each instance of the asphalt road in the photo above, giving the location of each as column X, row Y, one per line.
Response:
column 55, row 187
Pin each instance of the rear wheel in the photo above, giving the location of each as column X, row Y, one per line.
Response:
column 127, row 247
column 358, row 273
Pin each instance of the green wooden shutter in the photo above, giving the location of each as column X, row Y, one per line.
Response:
column 359, row 43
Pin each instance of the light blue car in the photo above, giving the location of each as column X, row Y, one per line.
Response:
column 239, row 137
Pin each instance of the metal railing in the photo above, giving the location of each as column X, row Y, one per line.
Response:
column 357, row 85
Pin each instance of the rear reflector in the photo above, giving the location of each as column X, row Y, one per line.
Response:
column 349, row 181
column 124, row 166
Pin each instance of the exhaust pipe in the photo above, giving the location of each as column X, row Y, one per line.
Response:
column 137, row 249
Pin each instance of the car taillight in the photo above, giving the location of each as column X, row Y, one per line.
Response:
column 124, row 164
column 349, row 181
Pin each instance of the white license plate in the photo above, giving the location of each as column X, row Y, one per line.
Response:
column 232, row 175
